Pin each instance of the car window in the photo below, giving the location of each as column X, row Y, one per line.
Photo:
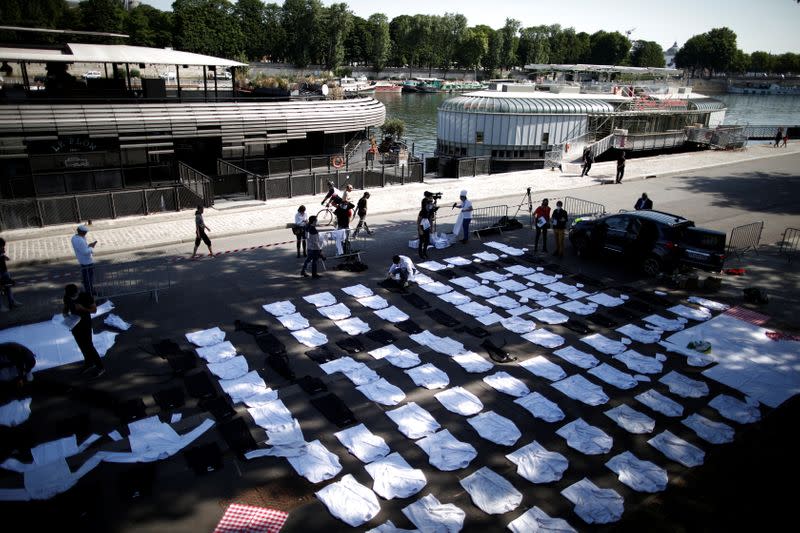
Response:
column 617, row 223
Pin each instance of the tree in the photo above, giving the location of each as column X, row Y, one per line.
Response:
column 393, row 127
column 721, row 49
column 378, row 41
column 508, row 54
column 534, row 45
column 355, row 44
column 474, row 46
column 762, row 62
column 147, row 26
column 337, row 22
column 449, row 34
column 207, row 27
column 647, row 54
column 740, row 62
column 786, row 63
column 301, row 22
column 494, row 55
column 275, row 35
column 693, row 53
column 401, row 31
column 250, row 16
column 102, row 15
column 608, row 48
column 424, row 37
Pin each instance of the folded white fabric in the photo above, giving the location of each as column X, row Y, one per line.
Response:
column 708, row 430
column 447, row 453
column 466, row 282
column 152, row 440
column 541, row 407
column 433, row 266
column 666, row 324
column 483, row 291
column 396, row 356
column 579, row 388
column 362, row 443
column 549, row 316
column 677, row 449
column 437, row 287
column 352, row 326
column 389, row 527
column 242, row 387
column 579, row 308
column 444, row 345
column 103, row 308
column 586, row 438
column 533, row 294
column 474, row 309
column 358, row 291
column 685, row 311
column 660, row 403
column 645, row 336
column 593, row 504
column 637, row 362
column 537, row 464
column 693, row 357
column 460, row 401
column 374, row 302
column 518, row 324
column 472, row 362
column 491, row 492
column 260, row 398
column 42, row 482
column 457, row 261
column 15, row 412
column 392, row 314
column 544, row 338
column 641, row 476
column 341, row 364
column 316, row 463
column 603, row 344
column 561, row 287
column 206, row 337
column 382, row 392
column 322, row 299
column 683, row 386
column 487, row 256
column 361, row 375
column 428, row 376
column 631, row 420
column 577, row 357
column 495, row 428
column 493, row 276
column 606, row 300
column 455, row 298
column 536, row 520
column 394, row 477
column 216, row 353
column 519, row 311
column 429, row 514
column 743, row 412
column 511, row 285
column 708, row 304
column 506, row 383
column 232, row 368
column 413, row 421
column 520, row 270
column 506, row 249
column 287, row 436
column 350, row 501
column 272, row 415
column 281, row 308
column 614, row 377
column 541, row 279
column 335, row 312
column 311, row 337
column 575, row 295
column 117, row 322
column 542, row 367
column 293, row 321
column 488, row 320
column 503, row 302
column 420, row 279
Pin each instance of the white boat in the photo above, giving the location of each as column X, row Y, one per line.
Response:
column 763, row 88
column 356, row 86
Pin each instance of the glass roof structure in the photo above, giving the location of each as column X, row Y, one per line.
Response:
column 525, row 105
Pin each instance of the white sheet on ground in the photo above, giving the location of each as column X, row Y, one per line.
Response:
column 506, row 383
column 693, row 357
column 430, row 515
column 488, row 320
column 460, row 401
column 640, row 475
column 152, row 440
column 244, row 386
column 637, row 362
column 472, row 362
column 561, row 287
column 271, row 415
column 281, row 308
column 520, row 270
column 389, row 527
column 457, row 260
column 709, row 430
column 666, row 324
column 447, row 453
column 483, row 291
column 631, row 420
column 593, row 504
column 603, row 344
column 217, row 353
column 541, row 407
column 511, row 285
column 579, row 388
column 321, row 299
column 474, row 309
column 491, row 492
column 677, row 449
column 428, row 376
column 487, row 256
column 394, row 477
column 612, row 376
column 433, row 266
column 358, row 291
column 396, row 356
column 117, row 322
column 341, row 364
column 287, row 437
column 743, row 412
column 232, row 368
column 382, row 392
column 683, row 386
column 335, row 312
column 495, row 428
column 206, row 337
column 541, row 279
column 437, row 287
column 585, row 438
column 311, row 337
column 455, row 298
column 606, row 300
column 645, row 336
column 103, row 308
column 466, row 282
column 538, row 464
column 316, row 463
column 518, row 324
column 362, row 443
column 549, row 316
column 545, row 338
column 685, row 311
column 660, row 403
column 352, row 326
column 541, row 366
column 579, row 308
column 444, row 345
column 493, row 276
column 519, row 311
column 534, row 520
column 708, row 304
column 533, row 294
column 503, row 302
column 261, row 398
column 577, row 357
column 350, row 501
column 15, row 412
column 361, row 374
column 392, row 314
column 420, row 279
column 577, row 294
column 293, row 321
column 413, row 421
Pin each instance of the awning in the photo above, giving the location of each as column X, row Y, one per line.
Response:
column 112, row 53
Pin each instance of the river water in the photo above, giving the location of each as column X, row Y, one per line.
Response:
column 418, row 111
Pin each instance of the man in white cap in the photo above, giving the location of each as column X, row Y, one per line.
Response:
column 466, row 216
column 84, row 252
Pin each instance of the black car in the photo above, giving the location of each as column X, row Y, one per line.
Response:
column 654, row 240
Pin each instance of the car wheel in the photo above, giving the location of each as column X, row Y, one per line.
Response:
column 651, row 266
column 581, row 245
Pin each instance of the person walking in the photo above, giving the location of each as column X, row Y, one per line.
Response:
column 620, row 166
column 332, row 194
column 643, row 203
column 423, row 232
column 6, row 282
column 465, row 216
column 82, row 305
column 361, row 211
column 200, row 229
column 314, row 248
column 785, row 138
column 84, row 253
column 588, row 159
column 542, row 221
column 559, row 219
column 401, row 269
column 778, row 137
column 299, row 229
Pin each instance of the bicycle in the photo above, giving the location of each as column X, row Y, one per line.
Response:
column 325, row 217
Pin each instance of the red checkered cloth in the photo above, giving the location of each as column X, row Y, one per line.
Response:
column 757, row 319
column 249, row 519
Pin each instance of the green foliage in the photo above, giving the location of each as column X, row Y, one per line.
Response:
column 302, row 23
column 135, row 73
column 647, row 54
column 378, row 41
column 762, row 62
column 608, row 48
column 207, row 27
column 714, row 50
column 448, row 35
column 102, row 15
column 394, row 127
column 343, row 72
column 336, row 24
column 473, row 48
column 508, row 52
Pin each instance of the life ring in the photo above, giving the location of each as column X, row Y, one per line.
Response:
column 337, row 161
column 566, row 148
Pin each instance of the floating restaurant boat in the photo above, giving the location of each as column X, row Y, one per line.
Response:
column 383, row 86
column 763, row 89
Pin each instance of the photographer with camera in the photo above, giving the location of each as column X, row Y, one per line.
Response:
column 429, row 206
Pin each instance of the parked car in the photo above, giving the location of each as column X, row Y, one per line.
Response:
column 223, row 75
column 167, row 76
column 91, row 74
column 653, row 240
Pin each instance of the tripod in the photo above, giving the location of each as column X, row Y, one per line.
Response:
column 526, row 199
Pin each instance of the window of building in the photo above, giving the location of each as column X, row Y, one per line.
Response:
column 478, row 136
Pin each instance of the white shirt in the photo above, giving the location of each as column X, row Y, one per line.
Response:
column 405, row 264
column 466, row 209
column 300, row 219
column 83, row 252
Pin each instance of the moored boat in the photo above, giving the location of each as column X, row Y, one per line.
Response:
column 383, row 86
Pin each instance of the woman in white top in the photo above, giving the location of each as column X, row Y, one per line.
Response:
column 299, row 228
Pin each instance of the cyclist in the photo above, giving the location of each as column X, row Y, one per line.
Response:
column 333, row 194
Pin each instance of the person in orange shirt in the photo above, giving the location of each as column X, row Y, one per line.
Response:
column 541, row 221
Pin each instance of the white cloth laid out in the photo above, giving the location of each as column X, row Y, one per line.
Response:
column 420, row 279
column 483, row 291
column 428, row 376
column 50, row 452
column 561, row 287
column 394, row 477
column 466, row 282
column 321, row 299
column 579, row 308
column 519, row 311
column 444, row 345
column 389, row 527
column 216, row 353
column 433, row 266
column 641, row 476
column 396, row 356
column 544, row 338
column 447, row 453
column 612, row 376
column 341, row 364
column 281, row 308
column 488, row 320
column 15, row 412
column 455, row 298
column 506, row 383
column 287, row 439
column 382, row 392
column 495, row 428
column 232, row 368
column 536, row 520
column 709, row 430
column 541, row 279
column 549, row 302
column 103, row 308
column 683, row 386
column 460, row 401
column 577, row 357
column 392, row 314
column 362, row 443
column 585, row 438
column 541, row 366
column 350, row 501
column 335, row 312
column 503, row 302
column 708, row 304
column 579, row 388
column 352, row 326
column 637, row 362
column 603, row 344
column 293, row 321
column 45, row 481
column 261, row 398
column 311, row 337
column 511, row 285
column 533, row 294
column 271, row 415
column 540, row 407
column 645, row 336
column 660, row 403
column 152, row 440
column 361, row 374
column 743, row 412
column 518, row 324
column 631, row 420
column 538, row 464
column 242, row 387
column 665, row 324
column 520, row 270
column 487, row 256
column 413, row 421
column 493, row 276
column 549, row 316
column 316, row 463
column 693, row 357
column 457, row 261
column 430, row 515
column 115, row 321
column 474, row 309
column 437, row 287
column 491, row 492
column 685, row 311
column 206, row 337
column 472, row 362
column 577, row 294
column 677, row 449
column 358, row 291
column 605, row 300
column 593, row 504
column 506, row 249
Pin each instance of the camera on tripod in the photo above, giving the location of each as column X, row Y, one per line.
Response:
column 434, row 195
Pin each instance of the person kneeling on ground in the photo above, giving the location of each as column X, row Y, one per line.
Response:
column 17, row 355
column 401, row 269
column 82, row 305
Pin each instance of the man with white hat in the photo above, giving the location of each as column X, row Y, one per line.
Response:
column 465, row 217
column 84, row 252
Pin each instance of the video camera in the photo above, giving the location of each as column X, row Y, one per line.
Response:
column 434, row 195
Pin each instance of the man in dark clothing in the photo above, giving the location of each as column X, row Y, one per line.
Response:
column 361, row 211
column 643, row 203
column 5, row 278
column 332, row 195
column 342, row 214
column 620, row 166
column 588, row 159
column 17, row 355
column 559, row 220
column 423, row 232
column 82, row 305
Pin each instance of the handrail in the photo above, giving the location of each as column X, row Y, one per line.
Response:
column 197, row 182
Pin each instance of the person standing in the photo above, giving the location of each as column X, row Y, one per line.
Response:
column 643, row 203
column 314, row 248
column 423, row 232
column 542, row 218
column 588, row 159
column 401, row 269
column 84, row 253
column 559, row 219
column 82, row 305
column 361, row 211
column 5, row 277
column 299, row 228
column 620, row 166
column 785, row 138
column 778, row 137
column 466, row 215
column 347, row 191
column 200, row 229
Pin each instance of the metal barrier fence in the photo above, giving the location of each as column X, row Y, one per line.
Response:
column 488, row 218
column 472, row 166
column 762, row 132
column 111, row 282
column 342, row 244
column 745, row 238
column 578, row 208
column 789, row 243
column 197, row 182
